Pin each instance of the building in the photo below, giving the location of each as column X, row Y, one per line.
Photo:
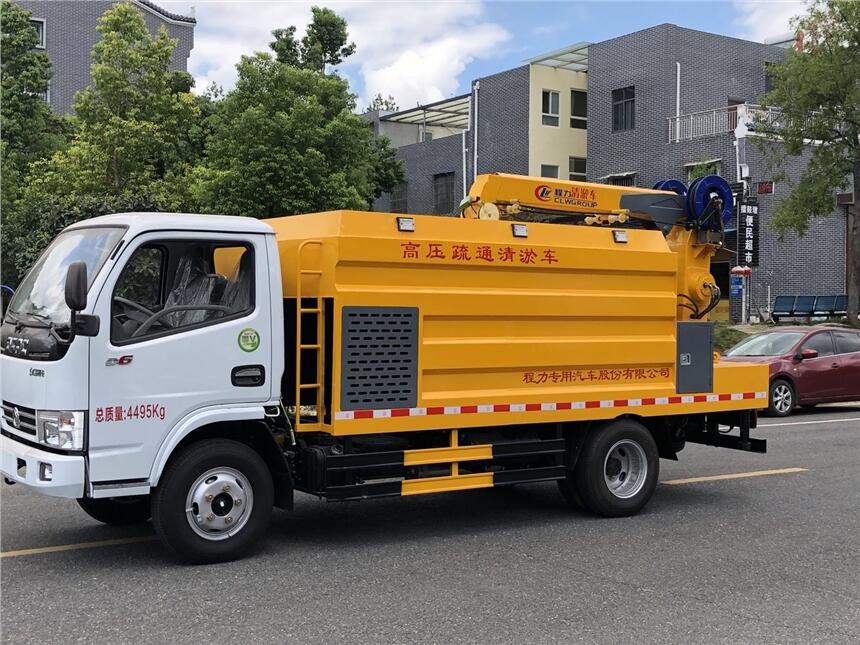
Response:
column 670, row 102
column 528, row 120
column 67, row 32
column 661, row 103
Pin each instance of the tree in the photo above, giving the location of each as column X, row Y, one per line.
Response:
column 378, row 103
column 817, row 91
column 29, row 130
column 286, row 141
column 134, row 121
column 324, row 43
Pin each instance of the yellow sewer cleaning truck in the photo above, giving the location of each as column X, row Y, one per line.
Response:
column 200, row 369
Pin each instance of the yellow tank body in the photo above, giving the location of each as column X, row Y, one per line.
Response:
column 569, row 323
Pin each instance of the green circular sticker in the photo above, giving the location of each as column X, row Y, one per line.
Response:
column 249, row 340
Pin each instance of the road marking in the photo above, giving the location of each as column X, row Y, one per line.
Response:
column 755, row 473
column 804, row 423
column 75, row 547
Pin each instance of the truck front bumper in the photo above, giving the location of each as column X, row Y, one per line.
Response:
column 42, row 471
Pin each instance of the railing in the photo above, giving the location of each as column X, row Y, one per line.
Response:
column 720, row 121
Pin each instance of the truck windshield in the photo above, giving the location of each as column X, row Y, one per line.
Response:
column 41, row 295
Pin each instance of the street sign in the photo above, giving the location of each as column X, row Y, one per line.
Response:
column 748, row 228
column 736, row 284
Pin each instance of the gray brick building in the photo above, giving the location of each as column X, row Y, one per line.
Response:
column 501, row 125
column 67, row 31
column 690, row 91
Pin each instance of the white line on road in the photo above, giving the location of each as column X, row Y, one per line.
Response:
column 805, row 423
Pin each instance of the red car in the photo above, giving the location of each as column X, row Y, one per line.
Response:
column 808, row 365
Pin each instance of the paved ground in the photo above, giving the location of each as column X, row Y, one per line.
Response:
column 766, row 559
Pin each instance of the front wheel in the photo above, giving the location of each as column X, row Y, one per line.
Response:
column 117, row 511
column 214, row 502
column 782, row 399
column 617, row 470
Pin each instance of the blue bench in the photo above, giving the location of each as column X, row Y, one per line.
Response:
column 807, row 306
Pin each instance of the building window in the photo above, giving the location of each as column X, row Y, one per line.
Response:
column 428, row 136
column 39, row 25
column 577, row 169
column 578, row 109
column 548, row 170
column 703, row 168
column 397, row 203
column 624, row 109
column 549, row 108
column 768, row 77
column 444, row 200
column 627, row 179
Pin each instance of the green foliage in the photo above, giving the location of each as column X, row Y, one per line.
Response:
column 286, row 141
column 817, row 92
column 133, row 124
column 29, row 131
column 379, row 103
column 324, row 43
column 703, row 170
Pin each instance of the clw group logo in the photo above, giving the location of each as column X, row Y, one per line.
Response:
column 543, row 193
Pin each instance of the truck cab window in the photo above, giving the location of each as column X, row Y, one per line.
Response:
column 173, row 286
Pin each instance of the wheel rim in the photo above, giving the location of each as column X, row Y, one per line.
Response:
column 625, row 468
column 219, row 503
column 781, row 398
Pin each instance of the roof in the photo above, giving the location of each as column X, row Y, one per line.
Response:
column 140, row 222
column 172, row 17
column 573, row 58
column 450, row 113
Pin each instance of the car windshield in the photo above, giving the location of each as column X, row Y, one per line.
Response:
column 42, row 294
column 772, row 343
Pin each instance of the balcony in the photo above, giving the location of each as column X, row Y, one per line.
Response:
column 709, row 123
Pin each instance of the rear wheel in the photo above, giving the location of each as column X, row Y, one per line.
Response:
column 117, row 511
column 214, row 502
column 782, row 398
column 617, row 469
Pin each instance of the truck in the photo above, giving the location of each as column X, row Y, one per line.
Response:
column 199, row 370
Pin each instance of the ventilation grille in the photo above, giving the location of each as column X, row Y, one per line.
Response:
column 380, row 358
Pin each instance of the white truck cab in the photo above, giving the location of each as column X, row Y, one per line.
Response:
column 173, row 332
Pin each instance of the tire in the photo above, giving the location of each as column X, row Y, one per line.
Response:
column 118, row 511
column 617, row 469
column 781, row 398
column 570, row 494
column 214, row 477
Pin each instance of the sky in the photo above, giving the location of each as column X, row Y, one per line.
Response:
column 419, row 52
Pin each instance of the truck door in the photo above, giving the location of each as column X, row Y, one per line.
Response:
column 185, row 325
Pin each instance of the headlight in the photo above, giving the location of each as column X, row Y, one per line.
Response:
column 61, row 429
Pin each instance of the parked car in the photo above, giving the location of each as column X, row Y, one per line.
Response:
column 808, row 365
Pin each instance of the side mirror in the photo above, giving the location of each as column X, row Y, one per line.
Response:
column 76, row 286
column 807, row 353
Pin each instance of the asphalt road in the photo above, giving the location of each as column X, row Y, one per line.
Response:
column 761, row 559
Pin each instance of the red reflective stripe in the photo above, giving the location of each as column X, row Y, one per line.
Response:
column 700, row 398
column 649, row 401
column 363, row 414
column 468, row 409
column 749, row 395
column 400, row 412
column 435, row 410
column 725, row 397
column 619, row 403
column 502, row 407
column 674, row 399
column 562, row 406
column 592, row 404
column 532, row 407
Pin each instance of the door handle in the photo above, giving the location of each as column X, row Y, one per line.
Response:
column 248, row 376
column 834, row 364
